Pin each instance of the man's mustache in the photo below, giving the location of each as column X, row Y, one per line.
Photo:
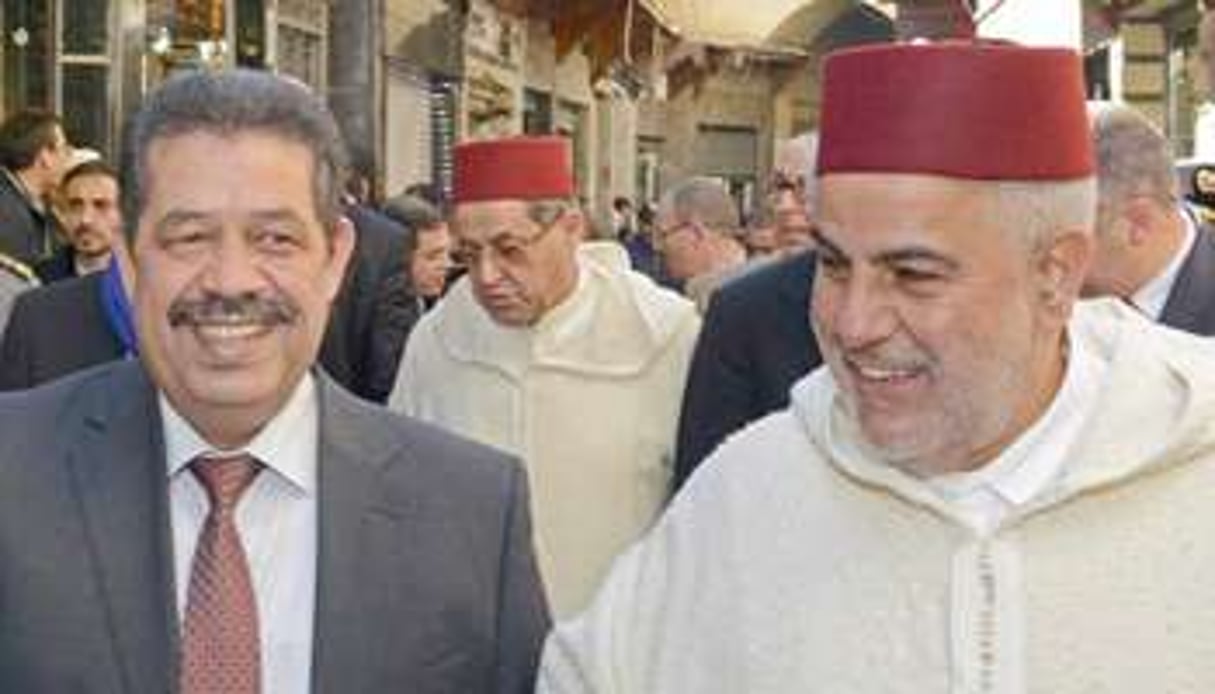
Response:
column 249, row 308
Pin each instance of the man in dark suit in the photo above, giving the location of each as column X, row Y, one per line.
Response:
column 34, row 154
column 59, row 329
column 1151, row 250
column 91, row 222
column 755, row 342
column 219, row 516
column 374, row 311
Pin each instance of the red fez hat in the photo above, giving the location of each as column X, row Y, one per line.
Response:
column 515, row 168
column 960, row 109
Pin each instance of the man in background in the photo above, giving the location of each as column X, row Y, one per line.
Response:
column 698, row 236
column 1151, row 250
column 91, row 220
column 555, row 350
column 34, row 154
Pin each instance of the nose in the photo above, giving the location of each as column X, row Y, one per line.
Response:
column 856, row 310
column 232, row 268
column 484, row 269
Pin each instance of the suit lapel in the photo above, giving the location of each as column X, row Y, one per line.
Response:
column 355, row 505
column 1191, row 302
column 117, row 471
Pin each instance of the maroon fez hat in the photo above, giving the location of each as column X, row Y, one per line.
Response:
column 515, row 168
column 960, row 109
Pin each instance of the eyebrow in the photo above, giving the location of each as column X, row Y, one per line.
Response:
column 176, row 218
column 890, row 257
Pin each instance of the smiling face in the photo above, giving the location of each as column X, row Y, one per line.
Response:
column 235, row 275
column 941, row 328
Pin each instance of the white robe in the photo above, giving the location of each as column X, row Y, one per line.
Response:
column 588, row 398
column 796, row 562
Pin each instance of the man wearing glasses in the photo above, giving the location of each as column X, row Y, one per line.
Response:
column 554, row 349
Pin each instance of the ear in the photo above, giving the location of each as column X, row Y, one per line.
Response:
column 1140, row 213
column 573, row 224
column 1060, row 268
column 341, row 248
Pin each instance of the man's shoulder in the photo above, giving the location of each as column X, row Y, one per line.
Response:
column 52, row 408
column 759, row 284
column 67, row 294
column 434, row 454
column 41, row 310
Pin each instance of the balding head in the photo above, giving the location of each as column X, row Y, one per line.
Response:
column 695, row 219
column 793, row 189
column 1139, row 224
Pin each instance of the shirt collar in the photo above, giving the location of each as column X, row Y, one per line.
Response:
column 287, row 444
column 1151, row 297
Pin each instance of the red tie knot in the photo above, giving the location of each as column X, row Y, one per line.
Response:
column 225, row 477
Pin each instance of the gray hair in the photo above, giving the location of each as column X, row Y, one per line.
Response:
column 228, row 103
column 797, row 157
column 1037, row 211
column 1133, row 157
column 703, row 200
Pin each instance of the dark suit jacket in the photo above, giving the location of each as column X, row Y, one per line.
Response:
column 56, row 330
column 1191, row 302
column 374, row 312
column 26, row 234
column 754, row 344
column 61, row 265
column 426, row 581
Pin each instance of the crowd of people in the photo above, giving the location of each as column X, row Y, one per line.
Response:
column 935, row 419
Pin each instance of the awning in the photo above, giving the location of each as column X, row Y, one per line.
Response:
column 758, row 24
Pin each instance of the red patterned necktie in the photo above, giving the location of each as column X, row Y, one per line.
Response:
column 220, row 641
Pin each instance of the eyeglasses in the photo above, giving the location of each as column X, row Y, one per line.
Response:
column 506, row 250
column 663, row 235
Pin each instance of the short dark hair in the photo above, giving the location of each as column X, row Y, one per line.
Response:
column 416, row 215
column 227, row 103
column 94, row 167
column 621, row 203
column 24, row 134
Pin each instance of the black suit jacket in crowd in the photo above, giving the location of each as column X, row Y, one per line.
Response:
column 60, row 266
column 1191, row 303
column 56, row 330
column 755, row 343
column 374, row 312
column 26, row 234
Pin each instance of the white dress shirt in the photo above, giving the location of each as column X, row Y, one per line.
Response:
column 277, row 520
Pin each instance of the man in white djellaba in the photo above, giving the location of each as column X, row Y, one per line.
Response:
column 990, row 487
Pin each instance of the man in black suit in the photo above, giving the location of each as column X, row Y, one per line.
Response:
column 374, row 311
column 91, row 220
column 756, row 339
column 754, row 344
column 217, row 515
column 34, row 154
column 1151, row 250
